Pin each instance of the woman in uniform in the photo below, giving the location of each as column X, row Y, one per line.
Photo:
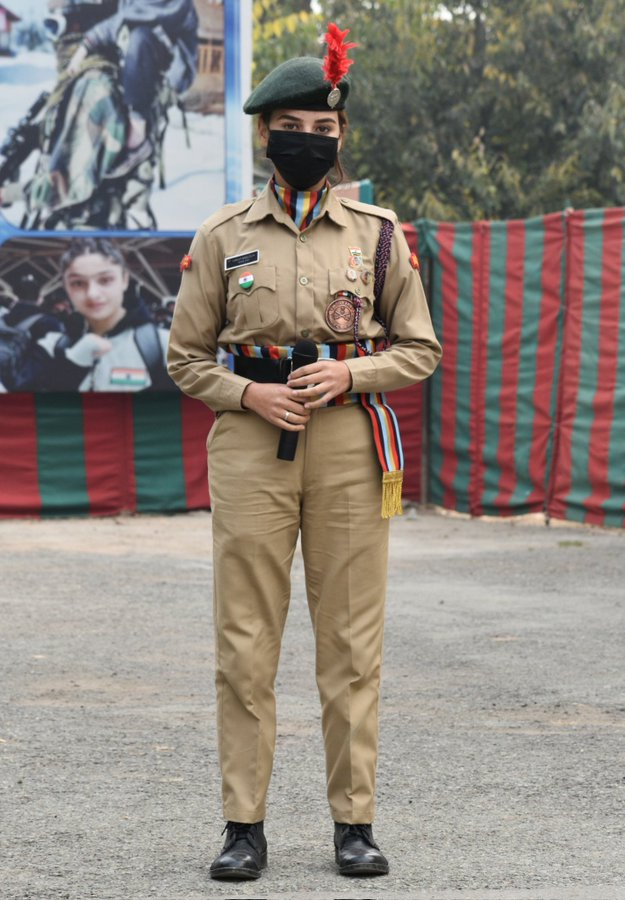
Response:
column 300, row 264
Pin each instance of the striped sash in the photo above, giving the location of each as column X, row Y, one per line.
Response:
column 386, row 436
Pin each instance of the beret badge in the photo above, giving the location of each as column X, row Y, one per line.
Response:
column 333, row 97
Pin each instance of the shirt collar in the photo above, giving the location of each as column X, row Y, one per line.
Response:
column 266, row 204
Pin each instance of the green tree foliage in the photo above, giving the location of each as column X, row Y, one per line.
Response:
column 487, row 109
column 282, row 29
column 392, row 139
column 553, row 108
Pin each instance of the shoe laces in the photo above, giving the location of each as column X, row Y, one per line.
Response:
column 363, row 831
column 239, row 831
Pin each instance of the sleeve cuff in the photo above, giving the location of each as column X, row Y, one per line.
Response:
column 363, row 372
column 231, row 393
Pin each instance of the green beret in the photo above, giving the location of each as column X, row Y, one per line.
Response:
column 297, row 84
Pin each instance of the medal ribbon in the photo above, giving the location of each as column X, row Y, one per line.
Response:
column 386, row 436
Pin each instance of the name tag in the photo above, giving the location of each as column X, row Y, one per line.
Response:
column 242, row 259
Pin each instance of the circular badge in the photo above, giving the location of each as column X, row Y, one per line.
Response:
column 366, row 276
column 340, row 314
column 333, row 97
column 351, row 274
column 246, row 281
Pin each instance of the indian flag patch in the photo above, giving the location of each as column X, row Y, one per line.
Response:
column 129, row 377
column 246, row 281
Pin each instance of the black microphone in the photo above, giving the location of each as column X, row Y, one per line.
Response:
column 304, row 353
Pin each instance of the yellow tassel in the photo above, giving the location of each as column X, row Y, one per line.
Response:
column 391, row 494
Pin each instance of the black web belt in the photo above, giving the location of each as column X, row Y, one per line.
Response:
column 265, row 371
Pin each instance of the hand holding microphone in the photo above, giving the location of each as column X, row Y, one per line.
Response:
column 275, row 402
column 304, row 353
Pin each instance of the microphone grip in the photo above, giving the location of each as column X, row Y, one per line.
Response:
column 304, row 353
column 287, row 445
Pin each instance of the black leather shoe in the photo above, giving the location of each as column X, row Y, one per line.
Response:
column 244, row 854
column 356, row 852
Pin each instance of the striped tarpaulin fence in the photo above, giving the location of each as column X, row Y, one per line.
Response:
column 103, row 454
column 528, row 404
column 588, row 481
column 496, row 301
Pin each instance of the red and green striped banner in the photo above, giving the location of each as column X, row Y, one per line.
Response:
column 588, row 483
column 101, row 454
column 528, row 405
column 496, row 293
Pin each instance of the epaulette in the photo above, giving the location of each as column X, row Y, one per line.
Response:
column 368, row 208
column 227, row 212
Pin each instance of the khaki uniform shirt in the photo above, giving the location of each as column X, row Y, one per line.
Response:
column 297, row 275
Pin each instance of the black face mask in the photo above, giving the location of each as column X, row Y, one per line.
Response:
column 301, row 158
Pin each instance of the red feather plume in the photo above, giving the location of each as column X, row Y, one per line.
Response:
column 336, row 63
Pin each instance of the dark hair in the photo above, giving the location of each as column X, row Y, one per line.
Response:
column 338, row 166
column 339, row 171
column 29, row 288
column 90, row 245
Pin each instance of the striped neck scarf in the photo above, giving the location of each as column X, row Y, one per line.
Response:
column 301, row 206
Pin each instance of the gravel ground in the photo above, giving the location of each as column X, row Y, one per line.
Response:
column 502, row 763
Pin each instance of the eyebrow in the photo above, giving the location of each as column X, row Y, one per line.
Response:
column 328, row 120
column 94, row 275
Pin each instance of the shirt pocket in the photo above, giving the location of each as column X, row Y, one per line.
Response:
column 339, row 284
column 256, row 306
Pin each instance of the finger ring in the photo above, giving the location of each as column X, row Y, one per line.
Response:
column 286, row 416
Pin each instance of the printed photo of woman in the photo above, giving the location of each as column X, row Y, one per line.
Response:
column 110, row 342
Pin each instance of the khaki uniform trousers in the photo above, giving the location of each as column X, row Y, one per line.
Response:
column 332, row 492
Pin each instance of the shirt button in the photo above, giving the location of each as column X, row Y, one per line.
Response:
column 303, row 280
column 305, row 332
column 303, row 238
